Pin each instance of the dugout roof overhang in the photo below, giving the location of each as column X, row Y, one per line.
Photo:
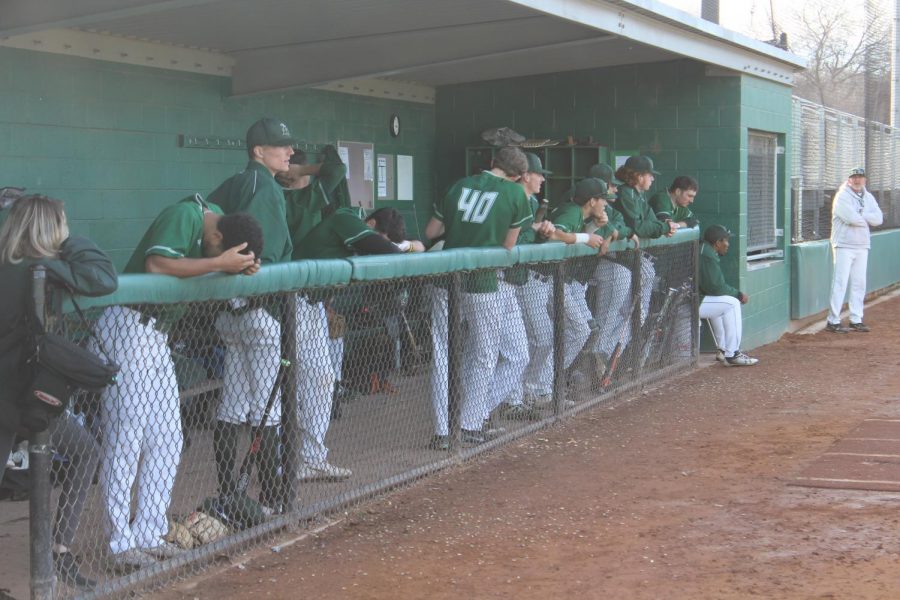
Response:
column 273, row 45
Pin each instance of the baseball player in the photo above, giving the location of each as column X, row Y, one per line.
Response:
column 346, row 232
column 588, row 203
column 720, row 302
column 312, row 190
column 533, row 288
column 611, row 279
column 853, row 210
column 481, row 211
column 674, row 203
column 140, row 415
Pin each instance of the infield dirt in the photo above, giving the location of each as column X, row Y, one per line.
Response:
column 680, row 492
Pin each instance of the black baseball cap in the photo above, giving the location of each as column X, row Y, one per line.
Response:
column 269, row 132
column 604, row 171
column 641, row 164
column 591, row 188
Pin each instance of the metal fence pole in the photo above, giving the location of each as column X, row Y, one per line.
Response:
column 290, row 420
column 454, row 358
column 559, row 343
column 637, row 341
column 695, row 303
column 40, row 454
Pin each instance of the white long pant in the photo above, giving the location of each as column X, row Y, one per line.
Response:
column 613, row 302
column 849, row 264
column 577, row 327
column 252, row 355
column 724, row 314
column 336, row 352
column 314, row 375
column 440, row 360
column 141, row 422
column 512, row 346
column 534, row 301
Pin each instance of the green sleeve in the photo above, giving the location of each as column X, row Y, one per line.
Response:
column 618, row 223
column 638, row 215
column 83, row 267
column 330, row 176
column 567, row 218
column 350, row 228
column 662, row 205
column 269, row 209
column 712, row 282
column 173, row 233
column 521, row 208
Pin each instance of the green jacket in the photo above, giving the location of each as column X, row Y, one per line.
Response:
column 82, row 267
column 712, row 282
column 664, row 208
column 638, row 215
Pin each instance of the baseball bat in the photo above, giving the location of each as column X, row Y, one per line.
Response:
column 617, row 351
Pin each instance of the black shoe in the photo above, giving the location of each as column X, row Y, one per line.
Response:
column 836, row 328
column 860, row 327
column 67, row 570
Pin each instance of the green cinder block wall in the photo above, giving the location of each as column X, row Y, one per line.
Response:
column 103, row 137
column 690, row 122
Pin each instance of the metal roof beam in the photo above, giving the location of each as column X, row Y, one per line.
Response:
column 25, row 16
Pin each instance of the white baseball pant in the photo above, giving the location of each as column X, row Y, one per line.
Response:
column 336, row 352
column 252, row 356
column 512, row 347
column 440, row 360
column 141, row 422
column 535, row 298
column 614, row 299
column 577, row 327
column 849, row 265
column 724, row 314
column 315, row 379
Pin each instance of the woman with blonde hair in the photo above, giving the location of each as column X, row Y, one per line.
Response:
column 36, row 233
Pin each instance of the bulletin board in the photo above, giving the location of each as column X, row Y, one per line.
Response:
column 360, row 160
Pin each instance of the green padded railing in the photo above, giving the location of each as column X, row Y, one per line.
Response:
column 304, row 274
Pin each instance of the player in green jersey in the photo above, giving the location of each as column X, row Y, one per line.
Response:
column 588, row 204
column 674, row 203
column 482, row 211
column 142, row 437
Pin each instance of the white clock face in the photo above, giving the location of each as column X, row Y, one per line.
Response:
column 395, row 125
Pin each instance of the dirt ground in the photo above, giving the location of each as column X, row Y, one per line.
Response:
column 680, row 493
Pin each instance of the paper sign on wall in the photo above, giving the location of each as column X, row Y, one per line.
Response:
column 404, row 177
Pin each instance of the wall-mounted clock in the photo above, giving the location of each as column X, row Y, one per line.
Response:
column 394, row 127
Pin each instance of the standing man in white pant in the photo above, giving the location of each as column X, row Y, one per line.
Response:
column 853, row 211
column 721, row 303
column 481, row 211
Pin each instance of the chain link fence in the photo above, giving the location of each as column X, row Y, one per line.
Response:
column 245, row 414
column 827, row 144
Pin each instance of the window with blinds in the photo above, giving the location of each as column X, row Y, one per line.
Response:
column 762, row 195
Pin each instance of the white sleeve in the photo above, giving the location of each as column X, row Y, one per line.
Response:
column 872, row 212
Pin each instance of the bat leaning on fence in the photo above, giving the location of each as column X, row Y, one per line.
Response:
column 616, row 355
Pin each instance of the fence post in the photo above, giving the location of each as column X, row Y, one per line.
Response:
column 559, row 341
column 40, row 454
column 454, row 358
column 695, row 303
column 637, row 340
column 290, row 424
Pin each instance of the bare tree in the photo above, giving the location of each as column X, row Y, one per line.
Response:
column 839, row 43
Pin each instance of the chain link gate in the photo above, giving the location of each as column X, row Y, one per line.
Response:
column 235, row 419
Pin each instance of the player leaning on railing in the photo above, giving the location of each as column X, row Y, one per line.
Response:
column 140, row 416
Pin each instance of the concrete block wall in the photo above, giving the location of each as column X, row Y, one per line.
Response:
column 104, row 137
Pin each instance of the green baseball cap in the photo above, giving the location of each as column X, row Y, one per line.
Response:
column 591, row 188
column 641, row 164
column 604, row 171
column 534, row 164
column 269, row 132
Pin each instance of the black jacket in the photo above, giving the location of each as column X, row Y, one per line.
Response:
column 83, row 268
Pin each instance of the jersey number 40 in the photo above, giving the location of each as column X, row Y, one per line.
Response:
column 475, row 205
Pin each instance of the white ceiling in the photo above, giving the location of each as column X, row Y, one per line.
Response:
column 282, row 44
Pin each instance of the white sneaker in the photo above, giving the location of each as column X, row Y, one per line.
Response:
column 132, row 559
column 541, row 400
column 322, row 472
column 740, row 360
column 163, row 551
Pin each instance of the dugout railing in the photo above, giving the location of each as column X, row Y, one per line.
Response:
column 200, row 356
